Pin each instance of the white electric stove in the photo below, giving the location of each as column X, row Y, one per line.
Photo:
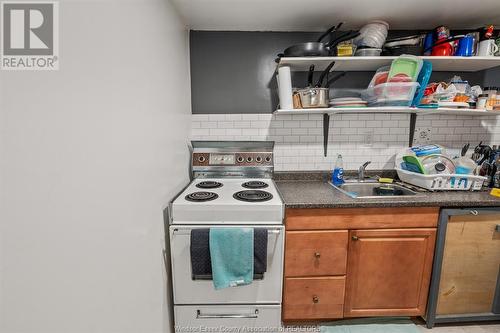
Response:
column 232, row 187
column 229, row 201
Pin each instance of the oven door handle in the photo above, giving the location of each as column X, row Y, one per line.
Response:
column 178, row 231
column 199, row 315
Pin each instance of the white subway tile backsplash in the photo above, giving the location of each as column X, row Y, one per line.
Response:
column 299, row 138
column 208, row 124
column 250, row 131
column 242, row 124
column 225, row 124
column 373, row 123
column 217, row 131
column 217, row 117
column 291, row 123
column 250, row 116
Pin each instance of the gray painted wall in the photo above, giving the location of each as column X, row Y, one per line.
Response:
column 234, row 72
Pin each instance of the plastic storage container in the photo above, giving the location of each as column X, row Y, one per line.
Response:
column 391, row 94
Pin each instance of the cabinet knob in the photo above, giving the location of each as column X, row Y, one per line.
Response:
column 354, row 238
column 317, row 255
column 497, row 228
column 315, row 299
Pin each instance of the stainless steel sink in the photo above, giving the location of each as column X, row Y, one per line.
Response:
column 366, row 190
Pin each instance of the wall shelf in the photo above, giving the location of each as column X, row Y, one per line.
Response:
column 439, row 64
column 447, row 64
column 390, row 109
column 413, row 112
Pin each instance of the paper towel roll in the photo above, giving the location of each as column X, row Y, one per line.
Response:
column 285, row 87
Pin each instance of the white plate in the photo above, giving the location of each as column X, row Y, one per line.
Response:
column 454, row 104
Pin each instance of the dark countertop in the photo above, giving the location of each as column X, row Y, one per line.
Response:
column 314, row 192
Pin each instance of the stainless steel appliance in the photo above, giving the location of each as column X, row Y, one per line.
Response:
column 232, row 186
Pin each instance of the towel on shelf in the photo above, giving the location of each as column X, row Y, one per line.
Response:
column 231, row 254
column 201, row 265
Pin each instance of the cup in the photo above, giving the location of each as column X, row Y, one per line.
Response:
column 487, row 48
column 465, row 46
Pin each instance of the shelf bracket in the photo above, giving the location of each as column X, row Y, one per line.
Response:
column 326, row 127
column 413, row 122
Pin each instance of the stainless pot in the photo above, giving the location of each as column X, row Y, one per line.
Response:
column 314, row 97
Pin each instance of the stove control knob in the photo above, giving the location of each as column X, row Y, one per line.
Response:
column 268, row 158
column 258, row 159
column 201, row 159
column 240, row 159
column 249, row 159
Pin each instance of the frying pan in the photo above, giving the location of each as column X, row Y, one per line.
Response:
column 310, row 76
column 323, row 74
column 315, row 49
column 311, row 49
column 335, row 78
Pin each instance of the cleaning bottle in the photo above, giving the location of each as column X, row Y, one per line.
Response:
column 338, row 171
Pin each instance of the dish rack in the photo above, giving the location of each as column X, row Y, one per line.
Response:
column 442, row 182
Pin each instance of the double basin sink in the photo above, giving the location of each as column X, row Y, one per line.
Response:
column 372, row 189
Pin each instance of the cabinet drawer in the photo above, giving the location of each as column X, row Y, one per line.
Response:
column 315, row 253
column 313, row 298
column 366, row 218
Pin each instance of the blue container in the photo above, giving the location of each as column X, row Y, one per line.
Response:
column 465, row 46
column 428, row 42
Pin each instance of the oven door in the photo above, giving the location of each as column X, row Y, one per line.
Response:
column 189, row 290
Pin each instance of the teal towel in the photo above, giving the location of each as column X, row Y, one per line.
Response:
column 371, row 325
column 231, row 254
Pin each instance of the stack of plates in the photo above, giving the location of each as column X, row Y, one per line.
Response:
column 457, row 105
column 348, row 102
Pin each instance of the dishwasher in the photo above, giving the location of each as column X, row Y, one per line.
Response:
column 465, row 284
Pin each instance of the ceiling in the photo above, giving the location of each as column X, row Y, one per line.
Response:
column 317, row 15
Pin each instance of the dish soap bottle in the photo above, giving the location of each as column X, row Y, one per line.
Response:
column 338, row 171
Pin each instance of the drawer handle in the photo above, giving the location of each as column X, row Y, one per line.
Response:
column 354, row 238
column 315, row 299
column 199, row 315
column 474, row 212
column 317, row 255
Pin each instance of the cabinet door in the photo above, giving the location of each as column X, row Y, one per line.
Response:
column 471, row 262
column 388, row 272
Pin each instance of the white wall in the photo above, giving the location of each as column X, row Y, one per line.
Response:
column 90, row 155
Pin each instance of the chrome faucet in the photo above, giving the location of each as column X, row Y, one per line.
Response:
column 361, row 171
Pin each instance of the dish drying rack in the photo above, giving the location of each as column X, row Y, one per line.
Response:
column 442, row 182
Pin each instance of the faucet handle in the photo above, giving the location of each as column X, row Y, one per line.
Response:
column 365, row 164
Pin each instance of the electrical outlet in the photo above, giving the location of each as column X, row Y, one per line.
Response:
column 423, row 135
column 367, row 138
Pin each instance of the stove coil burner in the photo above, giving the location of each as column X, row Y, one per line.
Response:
column 253, row 184
column 208, row 184
column 201, row 196
column 253, row 196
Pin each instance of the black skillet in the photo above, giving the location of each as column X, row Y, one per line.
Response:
column 311, row 49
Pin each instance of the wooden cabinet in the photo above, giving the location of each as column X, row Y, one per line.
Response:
column 357, row 262
column 389, row 272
